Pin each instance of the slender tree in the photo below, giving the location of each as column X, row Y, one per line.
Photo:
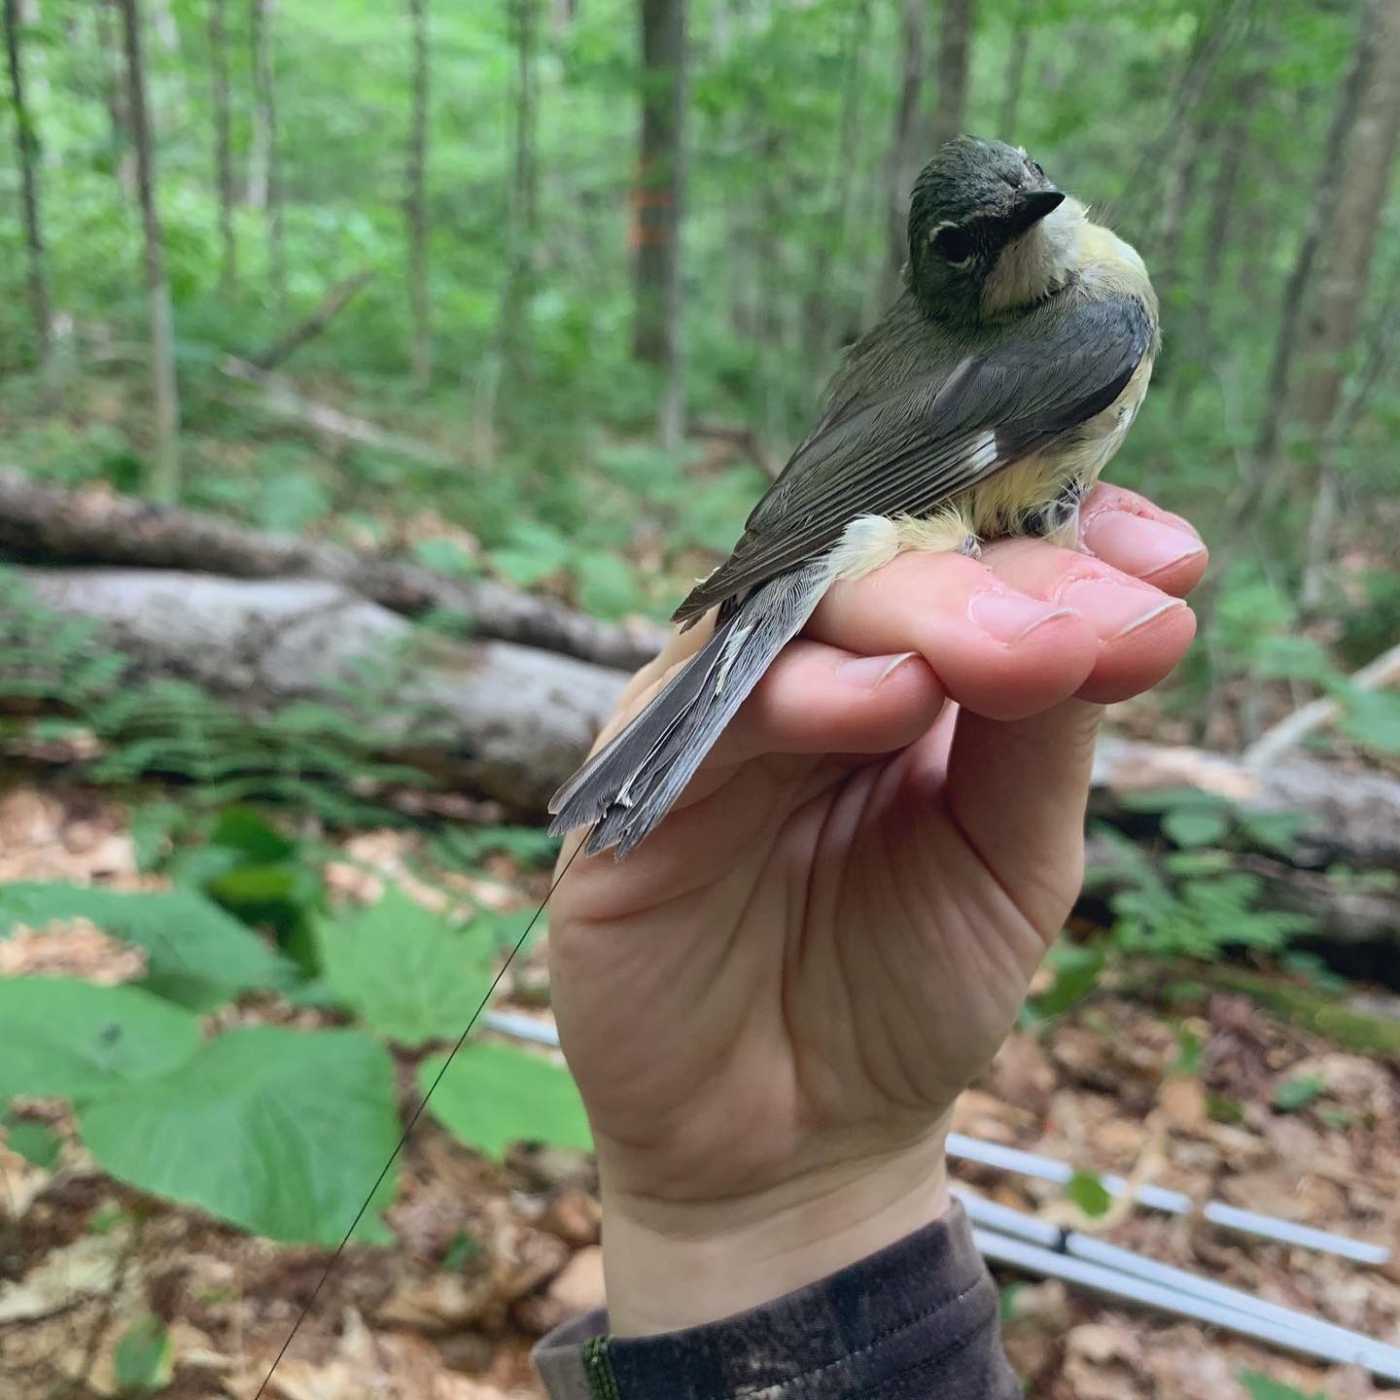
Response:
column 1323, row 198
column 820, row 308
column 223, row 152
column 28, row 143
column 1015, row 80
column 417, row 198
column 1333, row 322
column 520, row 256
column 265, row 177
column 658, row 199
column 114, row 99
column 904, row 144
column 164, row 480
column 949, row 113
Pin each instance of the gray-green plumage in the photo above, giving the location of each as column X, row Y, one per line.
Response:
column 1020, row 328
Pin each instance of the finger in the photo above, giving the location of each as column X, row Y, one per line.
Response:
column 1139, row 538
column 1018, row 792
column 1142, row 630
column 994, row 649
column 817, row 699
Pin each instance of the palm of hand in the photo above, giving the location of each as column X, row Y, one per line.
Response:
column 837, row 963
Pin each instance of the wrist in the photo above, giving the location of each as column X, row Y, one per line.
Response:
column 675, row 1264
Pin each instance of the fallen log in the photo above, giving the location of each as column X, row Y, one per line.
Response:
column 1347, row 814
column 506, row 722
column 510, row 722
column 44, row 524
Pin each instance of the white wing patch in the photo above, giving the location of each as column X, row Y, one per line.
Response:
column 868, row 543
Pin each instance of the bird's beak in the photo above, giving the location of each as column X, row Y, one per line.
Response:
column 1033, row 207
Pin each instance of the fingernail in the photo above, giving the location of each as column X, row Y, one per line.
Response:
column 1010, row 616
column 867, row 672
column 1138, row 545
column 1116, row 609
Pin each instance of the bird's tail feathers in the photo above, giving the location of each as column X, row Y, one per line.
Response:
column 628, row 786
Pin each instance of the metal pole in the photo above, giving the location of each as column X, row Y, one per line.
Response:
column 1013, row 1159
column 1375, row 1357
column 1075, row 1243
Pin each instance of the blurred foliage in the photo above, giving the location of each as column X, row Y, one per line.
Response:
column 790, row 113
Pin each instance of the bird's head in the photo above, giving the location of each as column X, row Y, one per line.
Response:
column 988, row 233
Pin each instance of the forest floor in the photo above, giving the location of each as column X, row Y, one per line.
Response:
column 1212, row 1095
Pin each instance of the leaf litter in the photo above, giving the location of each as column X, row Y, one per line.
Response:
column 485, row 1257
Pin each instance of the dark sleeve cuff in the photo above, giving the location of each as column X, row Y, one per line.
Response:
column 916, row 1319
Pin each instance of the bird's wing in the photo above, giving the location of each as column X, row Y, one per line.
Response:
column 909, row 453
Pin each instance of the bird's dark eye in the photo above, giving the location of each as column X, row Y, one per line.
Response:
column 1035, row 165
column 954, row 245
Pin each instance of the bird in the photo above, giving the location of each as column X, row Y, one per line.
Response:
column 984, row 403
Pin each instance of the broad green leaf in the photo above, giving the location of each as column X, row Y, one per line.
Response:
column 144, row 1360
column 493, row 1095
column 73, row 1040
column 410, row 976
column 1294, row 1094
column 243, row 829
column 278, row 1131
column 1089, row 1194
column 197, row 954
column 37, row 1143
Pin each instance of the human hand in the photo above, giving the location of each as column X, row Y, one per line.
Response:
column 772, row 1004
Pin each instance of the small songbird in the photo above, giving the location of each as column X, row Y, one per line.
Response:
column 985, row 403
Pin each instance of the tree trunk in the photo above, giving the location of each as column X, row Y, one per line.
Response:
column 1015, row 72
column 265, row 175
column 954, row 61
column 164, row 479
column 223, row 152
column 114, row 99
column 417, row 198
column 1334, row 319
column 820, row 309
column 656, row 230
column 904, row 147
column 520, row 257
column 28, row 144
column 1323, row 202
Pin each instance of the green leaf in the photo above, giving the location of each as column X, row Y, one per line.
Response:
column 278, row 1131
column 1196, row 825
column 1294, row 1094
column 410, row 976
column 1262, row 1387
column 244, row 830
column 37, row 1143
column 606, row 586
column 144, row 1360
column 1077, row 973
column 76, row 1041
column 1372, row 719
column 152, row 825
column 196, row 953
column 494, row 1095
column 1089, row 1194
